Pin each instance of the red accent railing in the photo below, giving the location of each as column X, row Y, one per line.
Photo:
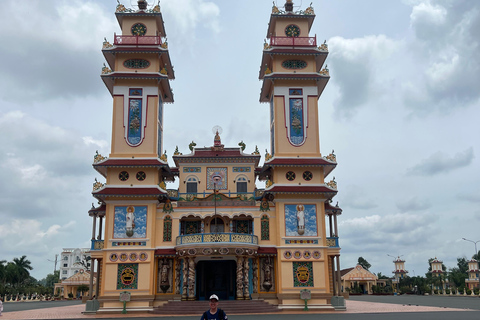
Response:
column 293, row 41
column 137, row 40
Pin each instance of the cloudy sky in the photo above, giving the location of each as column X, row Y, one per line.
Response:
column 401, row 111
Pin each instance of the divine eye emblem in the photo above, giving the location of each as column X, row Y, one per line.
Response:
column 290, row 175
column 141, row 176
column 139, row 29
column 292, row 31
column 307, row 175
column 123, row 176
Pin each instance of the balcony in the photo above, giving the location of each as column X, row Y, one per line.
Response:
column 293, row 41
column 332, row 242
column 97, row 244
column 218, row 238
column 137, row 40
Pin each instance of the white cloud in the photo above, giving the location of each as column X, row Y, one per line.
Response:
column 357, row 69
column 439, row 162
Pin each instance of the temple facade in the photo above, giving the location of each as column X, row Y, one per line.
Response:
column 218, row 232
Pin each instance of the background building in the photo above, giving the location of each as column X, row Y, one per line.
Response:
column 72, row 260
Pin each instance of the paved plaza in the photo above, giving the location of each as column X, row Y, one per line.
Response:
column 358, row 308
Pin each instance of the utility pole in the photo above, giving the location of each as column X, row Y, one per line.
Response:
column 55, row 267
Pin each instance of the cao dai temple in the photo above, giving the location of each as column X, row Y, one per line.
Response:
column 217, row 233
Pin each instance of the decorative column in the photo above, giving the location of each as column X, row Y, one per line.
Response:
column 185, row 279
column 94, row 226
column 334, row 275
column 239, row 278
column 99, row 275
column 246, row 280
column 177, row 276
column 191, row 278
column 330, row 224
column 339, row 290
column 99, row 237
column 255, row 275
column 90, row 288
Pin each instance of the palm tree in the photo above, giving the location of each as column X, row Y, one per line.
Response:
column 23, row 265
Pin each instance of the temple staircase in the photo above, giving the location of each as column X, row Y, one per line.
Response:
column 229, row 306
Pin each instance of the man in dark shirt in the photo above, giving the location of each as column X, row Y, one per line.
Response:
column 214, row 313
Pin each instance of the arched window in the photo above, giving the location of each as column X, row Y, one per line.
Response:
column 192, row 184
column 217, row 225
column 241, row 185
column 65, row 258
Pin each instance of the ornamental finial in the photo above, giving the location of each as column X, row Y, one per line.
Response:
column 142, row 4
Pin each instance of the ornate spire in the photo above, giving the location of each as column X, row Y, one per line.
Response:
column 142, row 4
column 289, row 6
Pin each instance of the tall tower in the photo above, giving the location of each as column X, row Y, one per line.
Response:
column 137, row 76
column 294, row 77
column 399, row 272
column 437, row 271
column 473, row 273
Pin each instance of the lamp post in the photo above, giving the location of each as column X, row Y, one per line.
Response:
column 476, row 252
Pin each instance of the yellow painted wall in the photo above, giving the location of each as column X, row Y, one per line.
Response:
column 148, row 147
column 149, row 22
column 283, row 23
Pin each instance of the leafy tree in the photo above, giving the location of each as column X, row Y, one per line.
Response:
column 382, row 276
column 83, row 288
column 458, row 274
column 364, row 263
column 476, row 256
column 23, row 266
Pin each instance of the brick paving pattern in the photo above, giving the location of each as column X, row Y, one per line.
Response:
column 75, row 312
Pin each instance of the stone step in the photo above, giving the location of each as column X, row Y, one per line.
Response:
column 229, row 306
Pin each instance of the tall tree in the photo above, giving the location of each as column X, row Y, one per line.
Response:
column 364, row 263
column 24, row 266
column 476, row 256
column 458, row 274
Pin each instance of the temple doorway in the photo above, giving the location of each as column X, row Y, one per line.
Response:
column 216, row 277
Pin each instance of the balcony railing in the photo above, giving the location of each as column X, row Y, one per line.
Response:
column 471, row 280
column 293, row 41
column 217, row 238
column 333, row 242
column 137, row 40
column 97, row 244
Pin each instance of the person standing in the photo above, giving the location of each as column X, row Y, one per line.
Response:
column 215, row 313
column 1, row 307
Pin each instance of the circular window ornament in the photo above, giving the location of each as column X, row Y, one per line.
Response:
column 139, row 29
column 290, row 175
column 143, row 256
column 292, row 31
column 297, row 254
column 307, row 254
column 287, row 254
column 294, row 64
column 133, row 256
column 141, row 175
column 317, row 255
column 123, row 176
column 307, row 175
column 123, row 257
column 113, row 257
column 136, row 63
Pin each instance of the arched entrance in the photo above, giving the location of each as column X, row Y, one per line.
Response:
column 216, row 277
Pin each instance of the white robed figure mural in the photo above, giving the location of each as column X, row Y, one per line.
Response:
column 300, row 220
